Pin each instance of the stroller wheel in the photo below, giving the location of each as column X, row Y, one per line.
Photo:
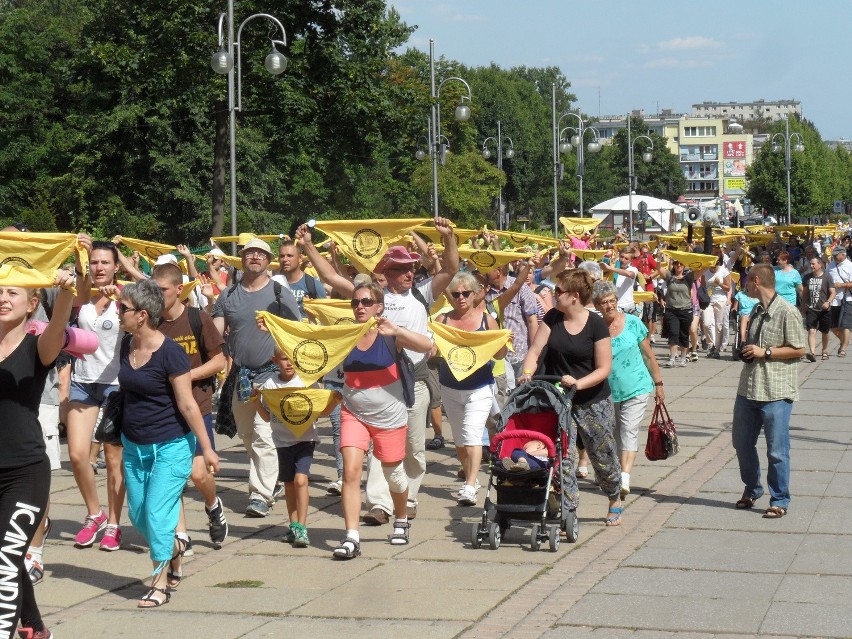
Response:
column 535, row 542
column 494, row 536
column 553, row 537
column 475, row 539
column 571, row 525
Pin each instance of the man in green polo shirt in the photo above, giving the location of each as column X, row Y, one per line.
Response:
column 769, row 384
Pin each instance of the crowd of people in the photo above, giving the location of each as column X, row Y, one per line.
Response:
column 179, row 346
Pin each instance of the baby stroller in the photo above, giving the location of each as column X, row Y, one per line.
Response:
column 536, row 410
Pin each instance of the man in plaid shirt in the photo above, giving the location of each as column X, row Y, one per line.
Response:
column 769, row 384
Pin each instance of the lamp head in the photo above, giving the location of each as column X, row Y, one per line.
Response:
column 594, row 147
column 510, row 153
column 420, row 154
column 799, row 147
column 565, row 147
column 486, row 153
column 276, row 62
column 222, row 62
column 775, row 148
column 462, row 113
column 646, row 156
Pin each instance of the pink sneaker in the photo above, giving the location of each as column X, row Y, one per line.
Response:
column 92, row 525
column 111, row 539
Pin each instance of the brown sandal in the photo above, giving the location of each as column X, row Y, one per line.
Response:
column 774, row 512
column 746, row 502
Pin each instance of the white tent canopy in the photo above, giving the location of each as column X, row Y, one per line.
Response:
column 659, row 211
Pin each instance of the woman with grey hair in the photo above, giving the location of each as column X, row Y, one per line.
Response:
column 468, row 402
column 634, row 375
column 160, row 424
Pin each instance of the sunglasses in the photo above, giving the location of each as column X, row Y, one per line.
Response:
column 123, row 308
column 558, row 291
column 366, row 302
column 458, row 294
column 401, row 269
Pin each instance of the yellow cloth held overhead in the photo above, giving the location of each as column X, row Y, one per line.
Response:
column 466, row 351
column 149, row 250
column 188, row 288
column 244, row 238
column 299, row 408
column 576, row 226
column 589, row 255
column 643, row 296
column 365, row 242
column 430, row 232
column 237, row 262
column 42, row 253
column 329, row 312
column 520, row 239
column 694, row 261
column 486, row 260
column 314, row 350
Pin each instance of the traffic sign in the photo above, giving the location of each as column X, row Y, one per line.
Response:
column 838, row 206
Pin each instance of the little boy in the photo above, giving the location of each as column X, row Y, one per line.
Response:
column 295, row 454
column 532, row 456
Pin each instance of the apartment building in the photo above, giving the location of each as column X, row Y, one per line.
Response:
column 775, row 110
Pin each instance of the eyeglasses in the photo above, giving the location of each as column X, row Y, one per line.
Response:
column 366, row 302
column 123, row 308
column 605, row 303
column 257, row 252
column 458, row 294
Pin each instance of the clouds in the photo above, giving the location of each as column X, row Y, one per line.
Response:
column 689, row 42
column 684, row 53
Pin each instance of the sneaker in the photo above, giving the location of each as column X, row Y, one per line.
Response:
column 693, row 356
column 112, row 539
column 625, row 484
column 278, row 493
column 289, row 535
column 300, row 534
column 716, row 355
column 35, row 569
column 711, row 352
column 467, row 496
column 436, row 443
column 216, row 524
column 257, row 508
column 29, row 633
column 670, row 363
column 683, row 361
column 476, row 485
column 188, row 551
column 376, row 517
column 653, row 338
column 335, row 488
column 92, row 525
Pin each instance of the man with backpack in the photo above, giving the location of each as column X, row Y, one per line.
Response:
column 252, row 351
column 293, row 277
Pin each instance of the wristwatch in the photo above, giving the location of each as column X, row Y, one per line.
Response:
column 768, row 353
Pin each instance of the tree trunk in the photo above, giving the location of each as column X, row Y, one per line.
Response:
column 220, row 160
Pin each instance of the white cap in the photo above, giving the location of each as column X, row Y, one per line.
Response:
column 168, row 258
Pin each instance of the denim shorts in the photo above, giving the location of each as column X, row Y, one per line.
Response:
column 295, row 459
column 91, row 394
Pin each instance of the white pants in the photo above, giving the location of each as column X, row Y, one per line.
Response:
column 48, row 417
column 467, row 412
column 263, row 457
column 715, row 316
column 628, row 417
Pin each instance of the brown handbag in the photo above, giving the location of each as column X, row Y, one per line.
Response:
column 662, row 437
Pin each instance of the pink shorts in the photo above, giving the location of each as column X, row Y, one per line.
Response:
column 388, row 443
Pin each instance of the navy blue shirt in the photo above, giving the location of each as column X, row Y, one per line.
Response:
column 151, row 415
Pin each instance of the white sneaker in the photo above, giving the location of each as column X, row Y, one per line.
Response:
column 670, row 363
column 653, row 339
column 476, row 485
column 683, row 361
column 335, row 488
column 625, row 484
column 467, row 496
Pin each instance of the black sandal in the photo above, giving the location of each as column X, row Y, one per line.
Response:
column 437, row 443
column 174, row 576
column 348, row 549
column 149, row 596
column 399, row 538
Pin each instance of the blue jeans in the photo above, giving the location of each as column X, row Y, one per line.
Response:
column 750, row 417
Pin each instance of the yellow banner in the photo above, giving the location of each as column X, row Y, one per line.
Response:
column 644, row 296
column 589, row 255
column 430, row 232
column 467, row 351
column 34, row 258
column 314, row 350
column 576, row 226
column 236, row 262
column 188, row 288
column 518, row 239
column 365, row 242
column 489, row 260
column 243, row 238
column 299, row 408
column 149, row 250
column 694, row 261
column 329, row 312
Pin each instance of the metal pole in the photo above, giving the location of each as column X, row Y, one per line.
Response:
column 232, row 126
column 555, row 164
column 787, row 165
column 580, row 159
column 630, row 181
column 436, row 133
column 500, row 224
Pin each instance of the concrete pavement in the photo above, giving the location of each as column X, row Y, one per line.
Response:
column 684, row 563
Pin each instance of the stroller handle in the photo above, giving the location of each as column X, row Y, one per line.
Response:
column 553, row 379
column 523, row 434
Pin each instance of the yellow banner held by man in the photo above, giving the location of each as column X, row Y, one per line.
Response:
column 149, row 250
column 486, row 260
column 576, row 226
column 329, row 312
column 365, row 242
column 467, row 351
column 314, row 350
column 299, row 408
column 694, row 261
column 590, row 255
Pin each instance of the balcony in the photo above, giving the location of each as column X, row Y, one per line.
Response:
column 709, row 156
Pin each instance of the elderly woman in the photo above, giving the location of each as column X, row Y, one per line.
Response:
column 160, row 427
column 579, row 350
column 635, row 375
column 374, row 411
column 677, row 310
column 468, row 402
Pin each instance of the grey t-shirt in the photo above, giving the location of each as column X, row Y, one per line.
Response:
column 50, row 394
column 248, row 345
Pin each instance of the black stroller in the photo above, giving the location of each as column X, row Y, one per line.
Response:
column 536, row 410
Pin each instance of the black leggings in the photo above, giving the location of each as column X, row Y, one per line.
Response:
column 24, row 493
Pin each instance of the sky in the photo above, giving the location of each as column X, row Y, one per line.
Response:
column 621, row 55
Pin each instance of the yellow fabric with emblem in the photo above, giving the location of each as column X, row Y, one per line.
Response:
column 576, row 226
column 466, row 351
column 30, row 260
column 329, row 312
column 299, row 408
column 589, row 255
column 486, row 260
column 313, row 349
column 365, row 242
column 694, row 261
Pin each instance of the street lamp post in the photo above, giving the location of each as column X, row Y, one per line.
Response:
column 646, row 157
column 502, row 220
column 223, row 63
column 437, row 148
column 577, row 141
column 798, row 147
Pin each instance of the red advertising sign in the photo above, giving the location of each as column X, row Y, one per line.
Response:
column 735, row 149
